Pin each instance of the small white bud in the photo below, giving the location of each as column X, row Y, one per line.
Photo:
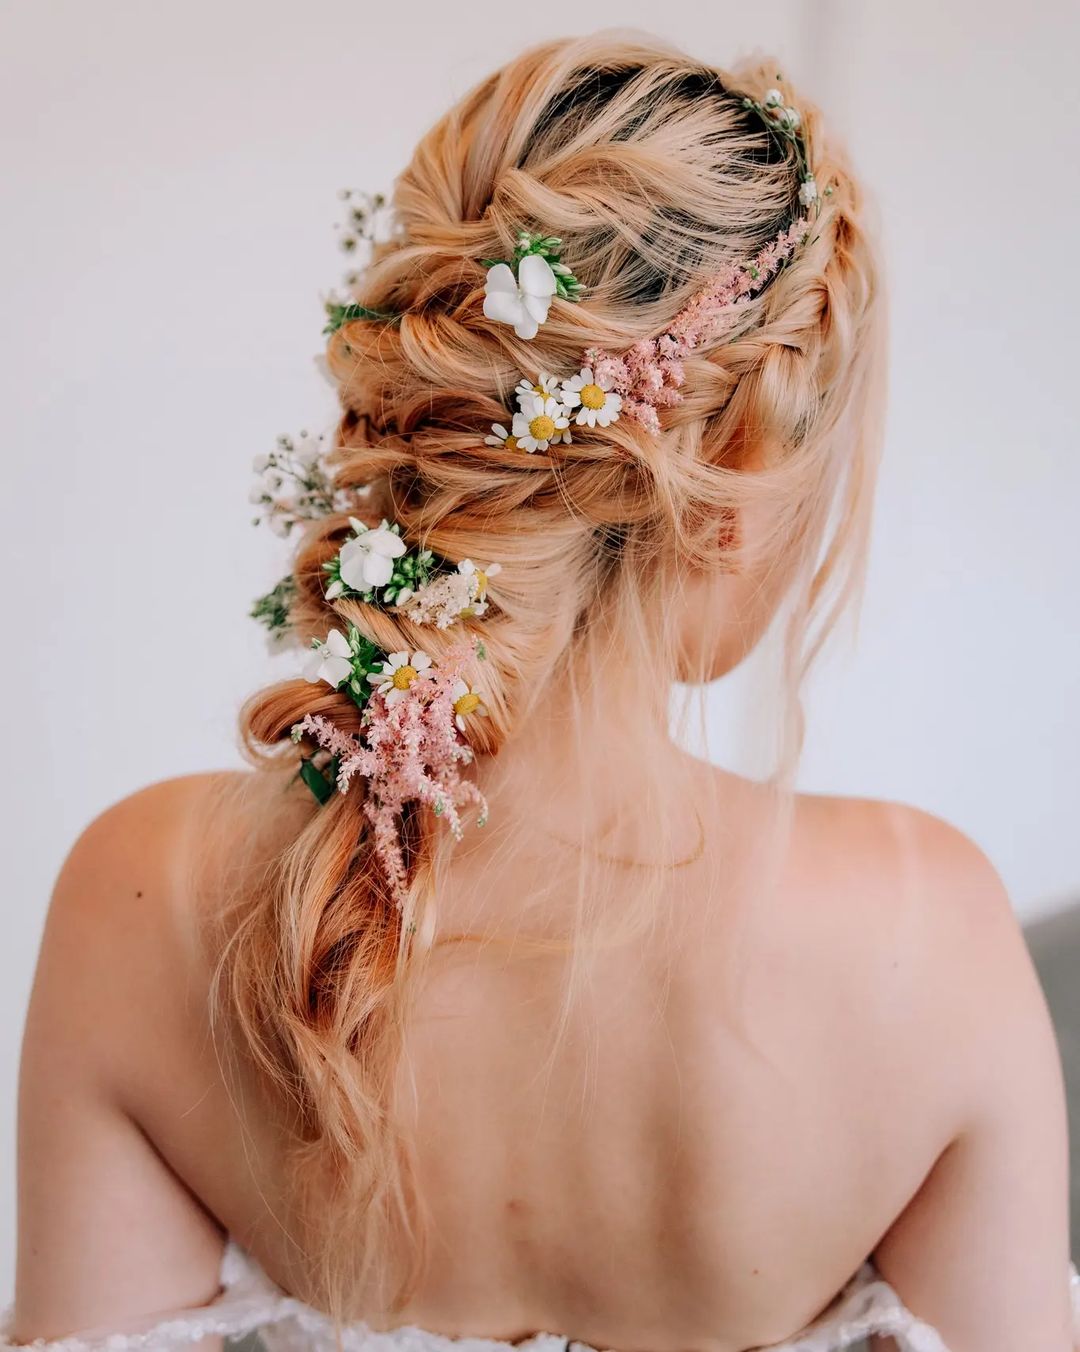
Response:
column 808, row 192
column 773, row 98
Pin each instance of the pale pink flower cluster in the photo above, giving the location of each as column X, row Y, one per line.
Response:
column 409, row 750
column 648, row 377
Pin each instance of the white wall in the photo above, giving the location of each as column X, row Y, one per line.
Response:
column 168, row 188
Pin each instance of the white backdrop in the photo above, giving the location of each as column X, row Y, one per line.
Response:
column 167, row 194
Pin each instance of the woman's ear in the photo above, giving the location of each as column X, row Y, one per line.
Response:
column 726, row 608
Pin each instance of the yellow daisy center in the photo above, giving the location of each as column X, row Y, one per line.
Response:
column 511, row 443
column 539, row 389
column 542, row 428
column 592, row 396
column 466, row 704
column 481, row 581
column 404, row 677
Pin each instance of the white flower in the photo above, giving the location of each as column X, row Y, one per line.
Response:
column 281, row 526
column 367, row 560
column 501, row 437
column 330, row 661
column 466, row 701
column 308, row 449
column 544, row 385
column 540, row 424
column 476, row 583
column 398, row 673
column 808, row 191
column 522, row 301
column 260, row 463
column 773, row 98
column 482, row 575
column 598, row 404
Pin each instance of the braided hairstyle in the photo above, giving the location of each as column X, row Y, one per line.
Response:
column 656, row 175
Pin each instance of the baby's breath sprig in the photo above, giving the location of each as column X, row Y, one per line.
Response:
column 295, row 483
column 549, row 248
column 784, row 123
column 368, row 221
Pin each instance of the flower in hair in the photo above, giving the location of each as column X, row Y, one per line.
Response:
column 521, row 301
column 477, row 579
column 453, row 596
column 546, row 386
column 466, row 702
column 410, row 749
column 367, row 560
column 295, row 483
column 540, row 423
column 398, row 674
column 377, row 564
column 330, row 660
column 593, row 397
column 501, row 437
column 518, row 291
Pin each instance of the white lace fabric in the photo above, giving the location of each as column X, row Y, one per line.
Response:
column 250, row 1303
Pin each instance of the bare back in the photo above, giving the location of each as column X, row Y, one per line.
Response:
column 736, row 1111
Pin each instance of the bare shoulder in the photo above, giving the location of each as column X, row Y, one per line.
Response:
column 931, row 928
column 129, row 872
column 121, row 954
column 895, row 863
column 118, row 1072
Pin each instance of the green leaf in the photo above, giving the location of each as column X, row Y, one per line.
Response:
column 338, row 314
column 322, row 788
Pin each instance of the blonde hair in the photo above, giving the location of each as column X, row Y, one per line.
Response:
column 655, row 175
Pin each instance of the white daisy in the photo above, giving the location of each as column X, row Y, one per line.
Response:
column 501, row 437
column 522, row 301
column 542, row 422
column 593, row 398
column 330, row 661
column 399, row 671
column 476, row 580
column 489, row 570
column 544, row 385
column 466, row 702
column 367, row 560
column 808, row 191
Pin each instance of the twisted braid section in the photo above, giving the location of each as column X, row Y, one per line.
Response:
column 656, row 176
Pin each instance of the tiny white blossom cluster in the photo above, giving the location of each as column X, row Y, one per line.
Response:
column 461, row 594
column 295, row 483
column 368, row 221
column 547, row 405
column 786, row 121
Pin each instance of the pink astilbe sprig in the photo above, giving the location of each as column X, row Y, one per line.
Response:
column 409, row 751
column 649, row 376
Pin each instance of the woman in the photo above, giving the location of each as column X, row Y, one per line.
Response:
column 660, row 1057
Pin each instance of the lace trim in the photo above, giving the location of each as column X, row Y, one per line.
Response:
column 250, row 1302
